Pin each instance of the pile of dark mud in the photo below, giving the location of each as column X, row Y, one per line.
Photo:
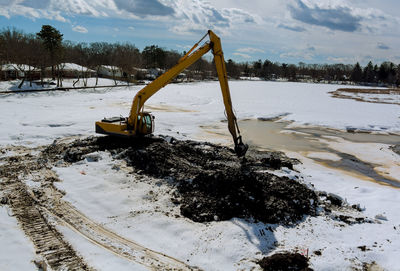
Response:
column 285, row 261
column 212, row 183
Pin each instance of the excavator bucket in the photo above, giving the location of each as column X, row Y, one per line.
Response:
column 241, row 148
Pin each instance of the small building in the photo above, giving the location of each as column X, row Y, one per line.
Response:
column 153, row 73
column 71, row 70
column 110, row 71
column 149, row 74
column 140, row 74
column 16, row 71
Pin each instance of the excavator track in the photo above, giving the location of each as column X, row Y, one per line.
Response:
column 49, row 243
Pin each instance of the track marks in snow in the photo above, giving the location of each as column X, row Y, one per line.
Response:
column 35, row 206
column 113, row 242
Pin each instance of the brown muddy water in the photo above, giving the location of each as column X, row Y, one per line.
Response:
column 279, row 136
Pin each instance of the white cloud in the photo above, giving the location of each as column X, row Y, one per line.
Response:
column 181, row 16
column 342, row 59
column 14, row 8
column 131, row 28
column 79, row 29
column 57, row 9
column 250, row 50
column 340, row 15
column 382, row 46
column 242, row 55
column 144, row 8
column 185, row 47
column 97, row 8
column 198, row 16
column 291, row 27
column 297, row 55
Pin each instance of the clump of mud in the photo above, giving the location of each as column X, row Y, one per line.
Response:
column 285, row 261
column 212, row 183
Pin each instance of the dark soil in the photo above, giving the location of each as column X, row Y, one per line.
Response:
column 212, row 183
column 363, row 248
column 285, row 262
column 318, row 252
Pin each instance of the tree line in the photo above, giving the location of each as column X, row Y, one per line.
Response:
column 387, row 73
column 47, row 48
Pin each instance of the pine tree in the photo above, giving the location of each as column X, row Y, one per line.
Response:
column 356, row 74
column 51, row 39
column 369, row 75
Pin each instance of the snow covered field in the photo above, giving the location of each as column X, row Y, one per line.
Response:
column 33, row 119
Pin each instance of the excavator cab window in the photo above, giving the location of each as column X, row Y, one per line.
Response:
column 148, row 122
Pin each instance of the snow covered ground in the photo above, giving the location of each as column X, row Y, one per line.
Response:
column 126, row 206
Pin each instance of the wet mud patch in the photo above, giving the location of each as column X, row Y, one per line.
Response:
column 326, row 146
column 285, row 261
column 351, row 163
column 370, row 95
column 211, row 182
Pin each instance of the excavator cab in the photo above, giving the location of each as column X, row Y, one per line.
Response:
column 145, row 123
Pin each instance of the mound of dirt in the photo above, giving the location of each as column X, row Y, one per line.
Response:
column 285, row 262
column 212, row 183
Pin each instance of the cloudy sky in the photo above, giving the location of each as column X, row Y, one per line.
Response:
column 290, row 31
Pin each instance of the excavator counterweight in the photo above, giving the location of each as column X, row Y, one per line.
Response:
column 142, row 123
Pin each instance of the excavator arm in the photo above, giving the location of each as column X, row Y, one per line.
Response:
column 140, row 122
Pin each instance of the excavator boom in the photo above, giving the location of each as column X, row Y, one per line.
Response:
column 142, row 123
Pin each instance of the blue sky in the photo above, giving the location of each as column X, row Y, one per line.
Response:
column 290, row 31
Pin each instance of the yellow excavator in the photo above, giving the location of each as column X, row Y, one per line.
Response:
column 141, row 123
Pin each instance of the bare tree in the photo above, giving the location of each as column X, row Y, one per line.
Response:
column 126, row 55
